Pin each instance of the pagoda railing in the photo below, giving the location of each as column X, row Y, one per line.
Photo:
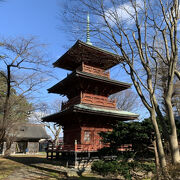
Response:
column 85, row 147
column 86, row 98
column 82, row 147
column 94, row 70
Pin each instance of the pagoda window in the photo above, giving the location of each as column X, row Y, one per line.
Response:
column 87, row 136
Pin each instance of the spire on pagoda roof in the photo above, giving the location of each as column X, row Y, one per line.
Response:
column 88, row 31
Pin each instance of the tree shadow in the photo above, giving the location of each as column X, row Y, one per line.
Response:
column 51, row 171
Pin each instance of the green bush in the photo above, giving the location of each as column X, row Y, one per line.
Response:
column 120, row 168
column 107, row 151
column 104, row 168
column 111, row 167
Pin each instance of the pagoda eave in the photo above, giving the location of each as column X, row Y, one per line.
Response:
column 61, row 87
column 109, row 114
column 83, row 52
column 113, row 113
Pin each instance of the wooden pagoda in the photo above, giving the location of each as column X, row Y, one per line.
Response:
column 88, row 110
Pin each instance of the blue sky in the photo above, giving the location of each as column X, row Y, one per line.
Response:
column 39, row 18
column 35, row 18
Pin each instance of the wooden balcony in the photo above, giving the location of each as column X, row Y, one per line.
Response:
column 86, row 98
column 85, row 147
column 82, row 147
column 94, row 70
column 97, row 100
column 92, row 147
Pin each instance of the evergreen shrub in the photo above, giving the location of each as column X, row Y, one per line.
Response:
column 120, row 168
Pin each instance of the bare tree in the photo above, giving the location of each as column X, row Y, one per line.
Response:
column 55, row 130
column 127, row 100
column 45, row 109
column 132, row 28
column 19, row 110
column 162, row 82
column 23, row 66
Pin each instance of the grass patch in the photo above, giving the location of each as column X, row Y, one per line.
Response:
column 7, row 167
column 36, row 167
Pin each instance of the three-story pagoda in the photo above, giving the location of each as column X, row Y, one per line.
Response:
column 88, row 110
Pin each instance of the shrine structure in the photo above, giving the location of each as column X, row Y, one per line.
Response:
column 88, row 110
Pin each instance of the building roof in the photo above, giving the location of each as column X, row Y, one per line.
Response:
column 91, row 109
column 63, row 86
column 91, row 55
column 31, row 131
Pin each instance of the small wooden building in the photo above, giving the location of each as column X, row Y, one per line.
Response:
column 27, row 139
column 88, row 111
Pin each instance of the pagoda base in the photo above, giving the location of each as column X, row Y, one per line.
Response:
column 78, row 160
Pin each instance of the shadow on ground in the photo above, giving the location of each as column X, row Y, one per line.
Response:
column 46, row 168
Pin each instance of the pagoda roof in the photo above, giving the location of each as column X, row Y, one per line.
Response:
column 92, row 55
column 114, row 114
column 62, row 86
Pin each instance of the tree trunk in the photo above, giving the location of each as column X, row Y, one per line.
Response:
column 6, row 107
column 172, row 136
column 156, row 159
column 56, row 138
column 174, row 149
column 173, row 139
column 160, row 148
column 8, row 148
column 2, row 133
